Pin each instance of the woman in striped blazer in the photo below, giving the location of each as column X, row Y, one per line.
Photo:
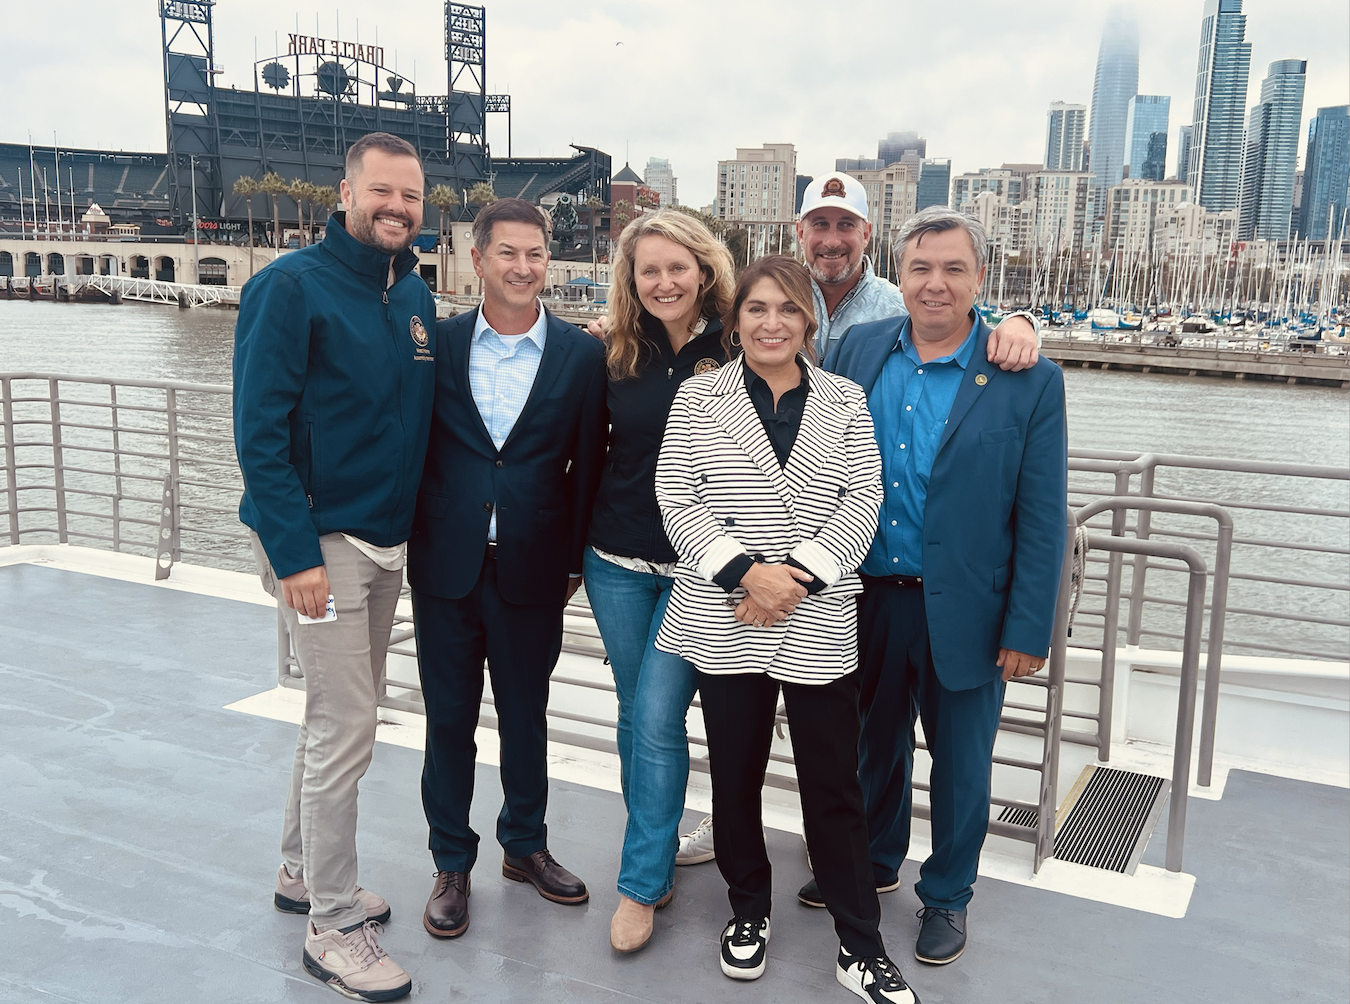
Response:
column 769, row 486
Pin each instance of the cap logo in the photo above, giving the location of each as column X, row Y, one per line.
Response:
column 833, row 189
column 418, row 331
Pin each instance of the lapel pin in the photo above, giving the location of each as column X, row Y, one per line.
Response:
column 981, row 379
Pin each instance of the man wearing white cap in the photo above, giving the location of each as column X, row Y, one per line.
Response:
column 833, row 230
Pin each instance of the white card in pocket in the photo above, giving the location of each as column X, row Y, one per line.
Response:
column 329, row 614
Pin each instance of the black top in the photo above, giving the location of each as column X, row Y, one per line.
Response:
column 781, row 426
column 627, row 519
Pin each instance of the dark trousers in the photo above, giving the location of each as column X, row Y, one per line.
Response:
column 900, row 684
column 521, row 645
column 738, row 711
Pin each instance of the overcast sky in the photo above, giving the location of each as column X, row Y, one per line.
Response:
column 691, row 80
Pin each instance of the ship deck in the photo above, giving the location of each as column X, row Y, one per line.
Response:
column 140, row 819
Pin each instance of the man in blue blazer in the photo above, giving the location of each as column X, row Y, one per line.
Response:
column 517, row 443
column 961, row 580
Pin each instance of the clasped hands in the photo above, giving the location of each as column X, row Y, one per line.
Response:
column 771, row 593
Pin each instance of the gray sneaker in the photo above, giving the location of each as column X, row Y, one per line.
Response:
column 353, row 963
column 696, row 846
column 292, row 897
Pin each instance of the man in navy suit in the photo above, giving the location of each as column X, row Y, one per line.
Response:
column 517, row 442
column 961, row 580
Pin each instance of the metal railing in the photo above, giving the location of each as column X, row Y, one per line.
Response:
column 148, row 467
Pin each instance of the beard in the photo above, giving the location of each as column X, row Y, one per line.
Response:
column 830, row 278
column 363, row 229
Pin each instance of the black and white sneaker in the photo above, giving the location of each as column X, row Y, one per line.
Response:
column 745, row 944
column 873, row 979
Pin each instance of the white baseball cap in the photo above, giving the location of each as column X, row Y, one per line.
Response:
column 838, row 191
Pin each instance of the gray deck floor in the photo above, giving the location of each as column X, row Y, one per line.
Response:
column 139, row 824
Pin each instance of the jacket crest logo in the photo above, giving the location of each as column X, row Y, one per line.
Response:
column 418, row 331
column 705, row 366
column 834, row 188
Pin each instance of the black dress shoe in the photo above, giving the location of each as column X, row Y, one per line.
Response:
column 551, row 879
column 942, row 935
column 809, row 894
column 447, row 912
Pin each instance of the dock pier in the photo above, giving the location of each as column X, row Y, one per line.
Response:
column 1308, row 367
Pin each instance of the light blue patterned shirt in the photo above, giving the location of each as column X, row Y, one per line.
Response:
column 502, row 369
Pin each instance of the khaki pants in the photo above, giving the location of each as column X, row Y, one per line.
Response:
column 343, row 665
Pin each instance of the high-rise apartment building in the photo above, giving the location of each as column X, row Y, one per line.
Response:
column 1116, row 81
column 1183, row 152
column 891, row 196
column 897, row 145
column 1326, row 174
column 759, row 185
column 1146, row 136
column 935, row 177
column 1064, row 127
column 1189, row 229
column 1272, row 153
column 1011, row 227
column 852, row 165
column 661, row 179
column 1062, row 207
column 1214, row 167
column 1133, row 208
column 1005, row 184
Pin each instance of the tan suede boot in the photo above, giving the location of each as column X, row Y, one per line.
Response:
column 631, row 928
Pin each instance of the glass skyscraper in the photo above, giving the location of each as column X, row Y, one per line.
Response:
column 1146, row 135
column 935, row 178
column 1272, row 153
column 1116, row 82
column 1326, row 174
column 1064, row 127
column 1183, row 152
column 1215, row 163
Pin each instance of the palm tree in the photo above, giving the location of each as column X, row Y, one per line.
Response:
column 300, row 190
column 443, row 197
column 482, row 194
column 274, row 184
column 594, row 203
column 325, row 197
column 623, row 212
column 247, row 186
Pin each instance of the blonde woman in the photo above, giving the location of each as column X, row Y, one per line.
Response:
column 672, row 282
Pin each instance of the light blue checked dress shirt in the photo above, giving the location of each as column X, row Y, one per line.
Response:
column 502, row 369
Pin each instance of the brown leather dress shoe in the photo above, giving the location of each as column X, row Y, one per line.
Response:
column 447, row 912
column 553, row 881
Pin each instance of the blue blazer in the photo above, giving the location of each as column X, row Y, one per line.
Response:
column 993, row 528
column 543, row 479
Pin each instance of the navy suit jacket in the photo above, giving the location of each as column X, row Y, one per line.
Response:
column 543, row 480
column 993, row 526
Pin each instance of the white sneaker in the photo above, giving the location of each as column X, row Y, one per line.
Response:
column 354, row 964
column 877, row 980
column 292, row 897
column 696, row 846
column 745, row 947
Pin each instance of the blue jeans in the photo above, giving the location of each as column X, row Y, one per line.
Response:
column 655, row 689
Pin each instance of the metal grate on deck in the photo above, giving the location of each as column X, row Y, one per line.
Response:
column 1110, row 822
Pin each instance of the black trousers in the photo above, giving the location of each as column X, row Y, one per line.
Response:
column 521, row 645
column 738, row 711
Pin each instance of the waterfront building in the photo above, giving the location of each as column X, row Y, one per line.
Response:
column 935, row 178
column 1132, row 209
column 1183, row 152
column 758, row 185
column 899, row 145
column 1116, row 81
column 1214, row 166
column 661, row 179
column 1010, row 226
column 1062, row 206
column 892, row 194
column 1326, row 174
column 1190, row 229
column 1007, row 185
column 1146, row 136
column 1064, row 128
column 1272, row 153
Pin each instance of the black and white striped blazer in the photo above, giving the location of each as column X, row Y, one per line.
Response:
column 723, row 494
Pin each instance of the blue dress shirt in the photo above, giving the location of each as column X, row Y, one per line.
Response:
column 910, row 403
column 501, row 374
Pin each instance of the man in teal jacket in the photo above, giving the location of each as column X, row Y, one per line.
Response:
column 334, row 373
column 960, row 584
